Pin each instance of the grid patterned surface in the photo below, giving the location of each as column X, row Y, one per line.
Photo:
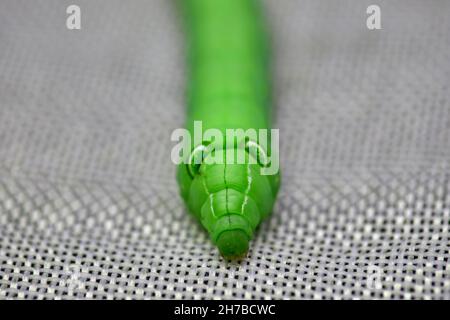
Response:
column 89, row 207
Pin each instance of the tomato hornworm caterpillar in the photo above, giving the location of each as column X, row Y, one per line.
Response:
column 228, row 88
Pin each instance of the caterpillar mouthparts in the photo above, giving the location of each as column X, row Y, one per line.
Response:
column 230, row 201
column 233, row 244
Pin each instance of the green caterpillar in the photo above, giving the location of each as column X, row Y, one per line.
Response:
column 228, row 88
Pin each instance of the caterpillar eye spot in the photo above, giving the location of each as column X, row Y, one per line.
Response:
column 258, row 153
column 196, row 159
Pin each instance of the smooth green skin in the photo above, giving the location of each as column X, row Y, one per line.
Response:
column 228, row 88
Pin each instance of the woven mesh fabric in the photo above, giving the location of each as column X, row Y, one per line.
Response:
column 89, row 205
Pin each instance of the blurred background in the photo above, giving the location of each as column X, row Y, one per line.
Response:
column 89, row 205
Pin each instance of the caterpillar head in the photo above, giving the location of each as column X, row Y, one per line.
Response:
column 230, row 197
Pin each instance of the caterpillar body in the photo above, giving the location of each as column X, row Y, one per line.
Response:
column 228, row 88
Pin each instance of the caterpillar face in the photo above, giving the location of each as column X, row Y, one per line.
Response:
column 230, row 200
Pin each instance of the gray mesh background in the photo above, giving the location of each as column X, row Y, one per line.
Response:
column 89, row 206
